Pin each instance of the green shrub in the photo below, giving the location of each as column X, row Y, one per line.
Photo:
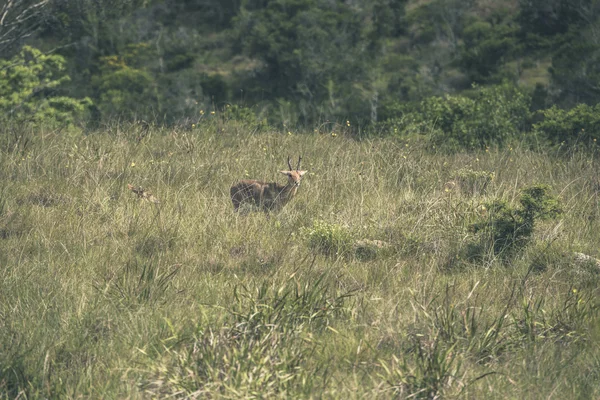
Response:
column 29, row 83
column 490, row 117
column 486, row 48
column 244, row 116
column 580, row 124
column 507, row 230
column 328, row 239
column 124, row 90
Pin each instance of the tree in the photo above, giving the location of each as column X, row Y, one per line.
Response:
column 317, row 53
column 29, row 89
column 550, row 17
column 486, row 48
column 19, row 20
column 575, row 73
column 124, row 87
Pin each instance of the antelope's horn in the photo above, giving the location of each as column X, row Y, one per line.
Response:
column 298, row 167
column 290, row 163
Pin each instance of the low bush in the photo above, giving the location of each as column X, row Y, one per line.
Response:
column 492, row 116
column 505, row 230
column 328, row 239
column 245, row 117
column 579, row 125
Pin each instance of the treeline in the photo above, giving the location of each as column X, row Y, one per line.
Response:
column 289, row 62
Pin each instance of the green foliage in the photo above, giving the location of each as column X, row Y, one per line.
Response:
column 579, row 125
column 486, row 48
column 506, row 230
column 550, row 17
column 29, row 89
column 329, row 239
column 214, row 88
column 327, row 60
column 244, row 116
column 125, row 90
column 575, row 71
column 490, row 117
column 319, row 54
column 439, row 19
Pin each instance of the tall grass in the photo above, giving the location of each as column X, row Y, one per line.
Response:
column 106, row 295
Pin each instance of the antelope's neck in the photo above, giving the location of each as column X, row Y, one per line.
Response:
column 289, row 191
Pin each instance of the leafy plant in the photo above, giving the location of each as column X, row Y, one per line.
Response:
column 489, row 117
column 579, row 125
column 507, row 230
column 29, row 89
column 486, row 48
column 243, row 116
column 328, row 239
column 124, row 89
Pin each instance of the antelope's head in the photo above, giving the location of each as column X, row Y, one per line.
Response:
column 294, row 175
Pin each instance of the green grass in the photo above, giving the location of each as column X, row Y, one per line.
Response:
column 106, row 295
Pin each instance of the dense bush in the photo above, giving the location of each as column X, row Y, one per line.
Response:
column 244, row 116
column 327, row 60
column 490, row 117
column 125, row 89
column 579, row 125
column 29, row 89
column 505, row 230
column 487, row 47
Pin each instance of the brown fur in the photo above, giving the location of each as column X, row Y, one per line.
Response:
column 266, row 195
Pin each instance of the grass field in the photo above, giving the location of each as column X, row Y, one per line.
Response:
column 358, row 288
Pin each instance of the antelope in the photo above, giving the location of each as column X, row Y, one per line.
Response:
column 267, row 196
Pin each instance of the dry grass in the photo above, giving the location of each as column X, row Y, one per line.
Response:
column 106, row 295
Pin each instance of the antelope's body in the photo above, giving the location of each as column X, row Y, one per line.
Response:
column 267, row 196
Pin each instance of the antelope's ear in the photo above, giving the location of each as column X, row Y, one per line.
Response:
column 285, row 172
column 302, row 172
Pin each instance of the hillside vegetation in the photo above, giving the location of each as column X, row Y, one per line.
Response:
column 444, row 242
column 397, row 270
column 291, row 62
